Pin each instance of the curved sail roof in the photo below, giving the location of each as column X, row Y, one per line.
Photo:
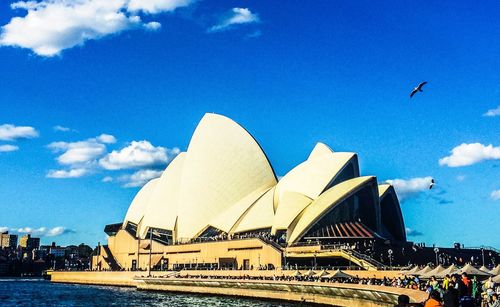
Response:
column 139, row 204
column 391, row 215
column 313, row 176
column 227, row 219
column 224, row 180
column 291, row 205
column 382, row 189
column 223, row 165
column 259, row 216
column 326, row 202
column 319, row 150
column 161, row 211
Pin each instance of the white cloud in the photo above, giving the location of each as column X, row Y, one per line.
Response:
column 8, row 148
column 409, row 187
column 461, row 177
column 156, row 6
column 91, row 156
column 468, row 154
column 78, row 152
column 40, row 232
column 50, row 26
column 138, row 154
column 107, row 179
column 493, row 112
column 26, row 5
column 140, row 178
column 61, row 128
column 3, row 229
column 81, row 157
column 106, row 139
column 152, row 26
column 237, row 16
column 72, row 173
column 11, row 133
column 55, row 25
column 495, row 195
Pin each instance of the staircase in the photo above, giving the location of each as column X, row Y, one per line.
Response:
column 361, row 260
column 371, row 263
column 110, row 259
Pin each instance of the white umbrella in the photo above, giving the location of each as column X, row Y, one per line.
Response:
column 433, row 272
column 337, row 274
column 423, row 271
column 452, row 269
column 470, row 270
column 321, row 274
column 495, row 271
column 412, row 271
column 296, row 274
column 484, row 269
column 310, row 273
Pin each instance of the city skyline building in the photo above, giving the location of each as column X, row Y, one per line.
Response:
column 8, row 240
column 28, row 242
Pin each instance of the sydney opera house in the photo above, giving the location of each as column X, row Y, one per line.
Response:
column 220, row 205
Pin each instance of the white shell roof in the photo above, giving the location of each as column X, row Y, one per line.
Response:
column 225, row 180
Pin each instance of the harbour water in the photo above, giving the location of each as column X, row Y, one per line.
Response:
column 37, row 292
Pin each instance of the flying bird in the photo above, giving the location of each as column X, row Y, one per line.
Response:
column 418, row 89
column 432, row 184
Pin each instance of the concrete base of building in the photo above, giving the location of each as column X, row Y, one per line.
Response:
column 123, row 279
column 311, row 292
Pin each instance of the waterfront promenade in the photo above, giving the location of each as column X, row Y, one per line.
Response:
column 335, row 294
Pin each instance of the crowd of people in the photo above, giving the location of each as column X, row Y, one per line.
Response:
column 453, row 291
column 457, row 291
column 264, row 235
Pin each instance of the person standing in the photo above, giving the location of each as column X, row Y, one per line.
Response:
column 467, row 283
column 459, row 285
column 434, row 299
column 450, row 297
column 475, row 289
column 446, row 282
column 494, row 301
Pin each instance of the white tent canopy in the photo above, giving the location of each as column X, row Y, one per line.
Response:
column 423, row 271
column 452, row 269
column 310, row 273
column 337, row 274
column 412, row 271
column 321, row 274
column 470, row 270
column 484, row 269
column 495, row 271
column 296, row 274
column 433, row 272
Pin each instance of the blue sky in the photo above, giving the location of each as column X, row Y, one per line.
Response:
column 127, row 82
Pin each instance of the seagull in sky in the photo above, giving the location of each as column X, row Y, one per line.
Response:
column 418, row 89
column 432, row 184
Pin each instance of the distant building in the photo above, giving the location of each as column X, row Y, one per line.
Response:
column 57, row 251
column 8, row 240
column 29, row 243
column 40, row 253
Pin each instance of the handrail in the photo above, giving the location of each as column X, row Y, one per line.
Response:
column 365, row 257
column 272, row 243
column 490, row 248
